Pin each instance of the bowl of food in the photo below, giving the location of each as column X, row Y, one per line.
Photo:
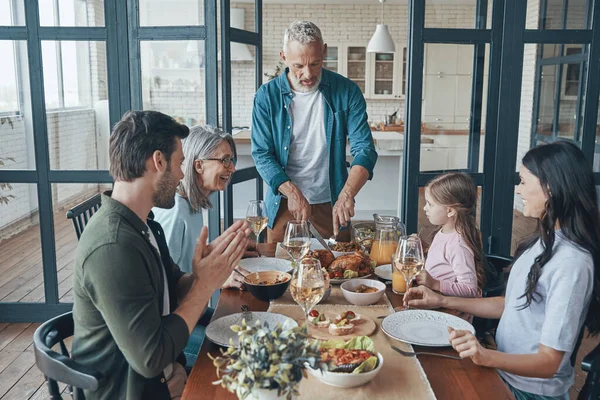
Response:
column 267, row 285
column 363, row 292
column 350, row 364
column 342, row 248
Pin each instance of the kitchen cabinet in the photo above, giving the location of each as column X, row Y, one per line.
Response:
column 378, row 75
column 434, row 158
column 447, row 86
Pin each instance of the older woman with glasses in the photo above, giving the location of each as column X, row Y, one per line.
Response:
column 210, row 158
column 209, row 163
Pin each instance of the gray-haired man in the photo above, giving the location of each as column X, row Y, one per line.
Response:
column 300, row 124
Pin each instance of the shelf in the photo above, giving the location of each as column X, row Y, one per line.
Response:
column 356, row 79
column 384, row 80
column 356, row 61
column 385, row 61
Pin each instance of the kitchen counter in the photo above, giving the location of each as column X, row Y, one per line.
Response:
column 243, row 137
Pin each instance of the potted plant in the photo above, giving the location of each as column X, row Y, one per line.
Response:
column 269, row 363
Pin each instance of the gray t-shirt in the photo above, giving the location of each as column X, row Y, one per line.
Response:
column 182, row 227
column 555, row 320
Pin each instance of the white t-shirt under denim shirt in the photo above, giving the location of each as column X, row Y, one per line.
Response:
column 564, row 293
column 182, row 228
column 308, row 160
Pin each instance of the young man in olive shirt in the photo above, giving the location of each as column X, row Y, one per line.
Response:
column 133, row 308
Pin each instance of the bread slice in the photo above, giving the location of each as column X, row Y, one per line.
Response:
column 341, row 330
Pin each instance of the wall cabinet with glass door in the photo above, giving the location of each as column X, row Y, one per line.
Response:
column 378, row 75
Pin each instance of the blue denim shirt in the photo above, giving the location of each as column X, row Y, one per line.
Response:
column 345, row 118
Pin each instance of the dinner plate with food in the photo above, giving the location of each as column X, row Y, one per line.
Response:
column 350, row 363
column 325, row 325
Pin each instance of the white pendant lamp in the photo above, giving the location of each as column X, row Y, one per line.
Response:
column 381, row 42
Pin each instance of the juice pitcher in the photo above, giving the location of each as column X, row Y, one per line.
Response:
column 388, row 230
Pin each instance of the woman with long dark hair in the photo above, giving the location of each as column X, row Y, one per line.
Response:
column 553, row 290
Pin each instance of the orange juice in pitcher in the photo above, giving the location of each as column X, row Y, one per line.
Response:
column 382, row 251
column 388, row 231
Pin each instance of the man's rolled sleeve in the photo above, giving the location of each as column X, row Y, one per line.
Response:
column 131, row 310
column 263, row 146
column 360, row 137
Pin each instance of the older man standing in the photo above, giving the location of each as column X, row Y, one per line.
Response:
column 300, row 124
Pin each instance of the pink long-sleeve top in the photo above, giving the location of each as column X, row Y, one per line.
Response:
column 450, row 261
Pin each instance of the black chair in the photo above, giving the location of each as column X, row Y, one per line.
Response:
column 591, row 364
column 58, row 367
column 81, row 213
column 495, row 278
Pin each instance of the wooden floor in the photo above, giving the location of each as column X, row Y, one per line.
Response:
column 21, row 280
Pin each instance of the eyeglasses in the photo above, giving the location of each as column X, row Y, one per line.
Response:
column 226, row 161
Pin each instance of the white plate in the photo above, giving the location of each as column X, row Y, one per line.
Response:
column 219, row 331
column 384, row 272
column 423, row 327
column 257, row 264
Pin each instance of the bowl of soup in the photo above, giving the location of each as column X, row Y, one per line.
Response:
column 363, row 292
column 267, row 285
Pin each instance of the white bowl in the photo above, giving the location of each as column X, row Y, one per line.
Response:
column 362, row 299
column 344, row 379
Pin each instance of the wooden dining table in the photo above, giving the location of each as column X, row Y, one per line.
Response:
column 449, row 379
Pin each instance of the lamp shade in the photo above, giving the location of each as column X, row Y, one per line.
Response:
column 381, row 42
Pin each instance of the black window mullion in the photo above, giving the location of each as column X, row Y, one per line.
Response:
column 511, row 74
column 38, row 110
column 135, row 72
column 477, row 90
column 590, row 115
column 412, row 135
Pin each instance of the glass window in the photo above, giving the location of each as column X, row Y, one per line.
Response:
column 16, row 133
column 173, row 79
column 454, row 14
column 64, row 197
column 242, row 15
column 171, row 13
column 446, row 110
column 11, row 13
column 71, row 12
column 21, row 276
column 76, row 104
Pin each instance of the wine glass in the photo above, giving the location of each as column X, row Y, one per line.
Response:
column 296, row 240
column 409, row 258
column 307, row 285
column 256, row 215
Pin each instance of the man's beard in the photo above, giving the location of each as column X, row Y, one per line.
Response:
column 164, row 196
column 299, row 87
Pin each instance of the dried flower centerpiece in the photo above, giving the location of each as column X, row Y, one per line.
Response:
column 267, row 359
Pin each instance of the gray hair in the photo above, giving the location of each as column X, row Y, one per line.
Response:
column 304, row 32
column 201, row 143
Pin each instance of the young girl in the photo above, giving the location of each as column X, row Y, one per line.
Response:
column 553, row 289
column 454, row 264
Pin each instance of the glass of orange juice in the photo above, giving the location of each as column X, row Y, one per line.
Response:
column 398, row 281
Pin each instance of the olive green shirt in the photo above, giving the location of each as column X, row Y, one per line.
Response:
column 118, row 287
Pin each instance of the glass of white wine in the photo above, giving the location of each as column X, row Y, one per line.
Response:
column 256, row 215
column 307, row 285
column 296, row 240
column 409, row 259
